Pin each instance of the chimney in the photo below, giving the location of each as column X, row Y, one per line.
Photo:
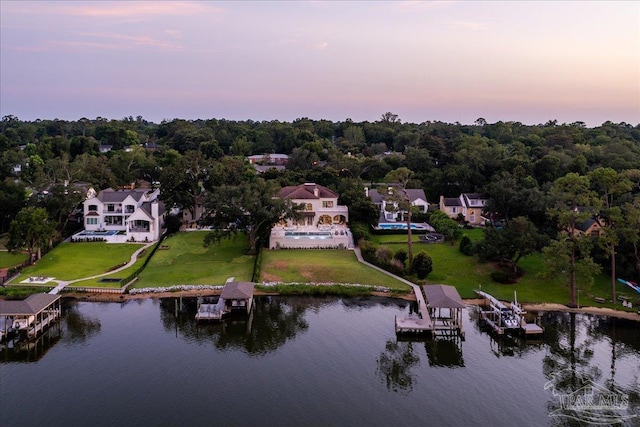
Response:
column 154, row 209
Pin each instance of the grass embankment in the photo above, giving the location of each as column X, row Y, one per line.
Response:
column 70, row 261
column 122, row 274
column 450, row 267
column 322, row 266
column 8, row 259
column 185, row 261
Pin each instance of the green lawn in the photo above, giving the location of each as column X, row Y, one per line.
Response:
column 188, row 262
column 450, row 267
column 69, row 261
column 8, row 259
column 123, row 274
column 308, row 266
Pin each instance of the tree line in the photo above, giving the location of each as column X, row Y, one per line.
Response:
column 538, row 173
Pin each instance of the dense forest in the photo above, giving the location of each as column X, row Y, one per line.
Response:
column 552, row 175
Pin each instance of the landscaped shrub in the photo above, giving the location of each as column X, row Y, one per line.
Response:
column 466, row 246
column 401, row 256
column 360, row 231
column 368, row 249
column 384, row 254
column 500, row 276
column 445, row 225
column 422, row 265
column 396, row 267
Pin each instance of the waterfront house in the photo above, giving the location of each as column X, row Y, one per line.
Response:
column 468, row 206
column 389, row 211
column 322, row 222
column 137, row 214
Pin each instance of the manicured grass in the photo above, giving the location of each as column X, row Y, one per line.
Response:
column 123, row 274
column 9, row 259
column 321, row 266
column 69, row 261
column 188, row 262
column 450, row 267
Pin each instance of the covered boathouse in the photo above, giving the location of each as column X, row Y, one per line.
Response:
column 31, row 315
column 236, row 297
column 444, row 305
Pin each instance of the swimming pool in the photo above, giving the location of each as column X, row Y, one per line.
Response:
column 307, row 235
column 401, row 226
column 97, row 233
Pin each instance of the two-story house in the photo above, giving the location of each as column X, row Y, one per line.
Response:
column 319, row 205
column 469, row 205
column 137, row 213
column 322, row 222
column 389, row 211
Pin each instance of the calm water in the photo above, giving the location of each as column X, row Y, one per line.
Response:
column 306, row 362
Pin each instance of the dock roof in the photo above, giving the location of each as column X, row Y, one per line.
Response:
column 237, row 290
column 33, row 305
column 442, row 296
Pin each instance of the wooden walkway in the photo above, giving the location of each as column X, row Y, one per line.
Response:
column 412, row 323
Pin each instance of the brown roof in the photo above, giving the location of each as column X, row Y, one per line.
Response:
column 442, row 296
column 33, row 305
column 307, row 191
column 237, row 290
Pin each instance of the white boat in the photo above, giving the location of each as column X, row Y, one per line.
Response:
column 23, row 323
column 508, row 318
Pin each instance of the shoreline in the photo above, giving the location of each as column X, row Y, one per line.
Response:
column 102, row 297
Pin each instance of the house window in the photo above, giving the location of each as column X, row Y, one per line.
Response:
column 93, row 208
column 113, row 220
column 327, row 204
column 308, row 207
column 129, row 209
column 111, row 207
column 92, row 221
column 454, row 210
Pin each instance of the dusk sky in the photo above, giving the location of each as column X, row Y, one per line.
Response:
column 425, row 61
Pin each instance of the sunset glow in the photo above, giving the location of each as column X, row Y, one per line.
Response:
column 449, row 61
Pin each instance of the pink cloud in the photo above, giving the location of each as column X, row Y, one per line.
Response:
column 116, row 9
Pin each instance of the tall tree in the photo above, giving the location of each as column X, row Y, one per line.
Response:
column 608, row 185
column 184, row 180
column 573, row 204
column 31, row 230
column 250, row 207
column 401, row 200
column 517, row 239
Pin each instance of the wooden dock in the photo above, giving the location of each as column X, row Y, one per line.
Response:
column 494, row 318
column 439, row 313
column 31, row 316
column 236, row 297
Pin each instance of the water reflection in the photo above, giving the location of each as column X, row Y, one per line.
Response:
column 272, row 322
column 22, row 350
column 395, row 364
column 73, row 327
column 79, row 327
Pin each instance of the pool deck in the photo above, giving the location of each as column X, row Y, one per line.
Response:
column 402, row 226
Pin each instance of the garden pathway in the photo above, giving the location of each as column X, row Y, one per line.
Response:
column 134, row 257
column 422, row 305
